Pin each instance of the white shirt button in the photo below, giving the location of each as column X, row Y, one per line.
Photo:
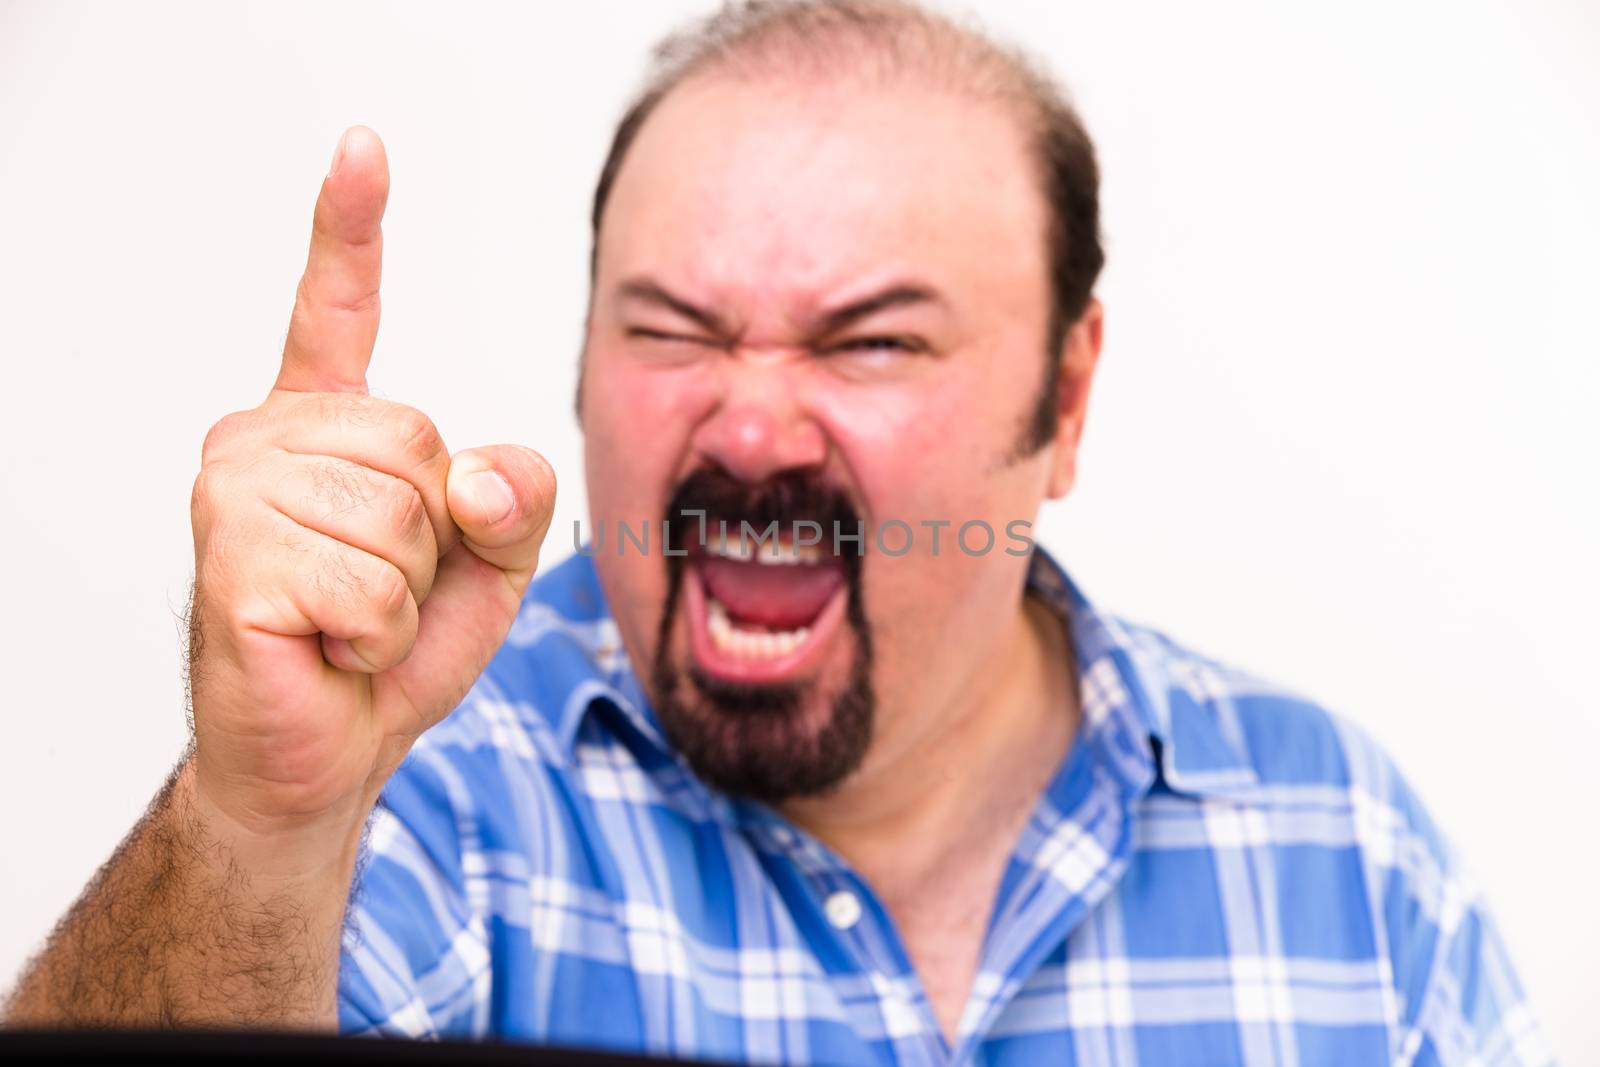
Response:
column 843, row 909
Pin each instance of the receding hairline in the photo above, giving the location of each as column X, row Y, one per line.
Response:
column 885, row 42
column 887, row 39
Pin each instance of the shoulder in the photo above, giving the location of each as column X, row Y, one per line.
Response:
column 1318, row 784
column 1317, row 781
column 1280, row 740
column 1270, row 771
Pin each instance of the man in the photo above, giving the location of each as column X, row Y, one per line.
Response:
column 806, row 757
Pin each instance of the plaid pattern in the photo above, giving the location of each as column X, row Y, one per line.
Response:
column 1220, row 873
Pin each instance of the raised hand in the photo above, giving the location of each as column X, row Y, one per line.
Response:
column 352, row 579
column 352, row 576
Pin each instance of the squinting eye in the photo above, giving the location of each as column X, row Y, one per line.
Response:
column 877, row 344
column 641, row 333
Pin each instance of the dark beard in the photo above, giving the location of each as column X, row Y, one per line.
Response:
column 754, row 740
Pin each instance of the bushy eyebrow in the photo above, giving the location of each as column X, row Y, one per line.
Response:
column 894, row 296
column 826, row 323
column 653, row 293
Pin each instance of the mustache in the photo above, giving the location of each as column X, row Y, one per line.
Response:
column 785, row 498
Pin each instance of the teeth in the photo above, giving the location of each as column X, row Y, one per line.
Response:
column 770, row 553
column 789, row 554
column 749, row 644
column 734, row 548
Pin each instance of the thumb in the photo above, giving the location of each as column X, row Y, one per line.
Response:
column 502, row 497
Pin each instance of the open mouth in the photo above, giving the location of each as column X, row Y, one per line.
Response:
column 762, row 613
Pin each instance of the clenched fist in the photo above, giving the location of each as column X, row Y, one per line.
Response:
column 352, row 576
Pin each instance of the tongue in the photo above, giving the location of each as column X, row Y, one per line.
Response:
column 780, row 597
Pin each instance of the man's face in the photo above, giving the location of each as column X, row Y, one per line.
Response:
column 821, row 303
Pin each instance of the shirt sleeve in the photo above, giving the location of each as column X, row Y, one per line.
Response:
column 415, row 958
column 1474, row 1011
column 1458, row 1001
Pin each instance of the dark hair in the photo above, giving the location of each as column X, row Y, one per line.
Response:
column 889, row 37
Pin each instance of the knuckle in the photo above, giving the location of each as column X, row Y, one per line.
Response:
column 408, row 515
column 211, row 499
column 388, row 646
column 389, row 593
column 416, row 436
column 366, row 302
column 222, row 432
column 403, row 631
column 311, row 299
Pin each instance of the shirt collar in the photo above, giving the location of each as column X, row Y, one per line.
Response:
column 1151, row 709
column 1154, row 709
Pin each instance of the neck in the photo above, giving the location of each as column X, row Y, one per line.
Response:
column 970, row 780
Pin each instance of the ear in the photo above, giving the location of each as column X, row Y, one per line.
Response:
column 1080, row 354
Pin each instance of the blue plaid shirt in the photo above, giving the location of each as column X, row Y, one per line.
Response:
column 1219, row 873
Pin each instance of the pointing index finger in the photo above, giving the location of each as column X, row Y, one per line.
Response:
column 335, row 319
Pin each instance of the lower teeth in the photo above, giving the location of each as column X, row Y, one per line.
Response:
column 749, row 644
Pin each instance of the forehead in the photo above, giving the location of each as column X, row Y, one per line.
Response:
column 803, row 187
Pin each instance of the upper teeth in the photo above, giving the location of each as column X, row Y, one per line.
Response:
column 749, row 644
column 769, row 552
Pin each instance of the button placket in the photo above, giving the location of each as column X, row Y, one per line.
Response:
column 862, row 926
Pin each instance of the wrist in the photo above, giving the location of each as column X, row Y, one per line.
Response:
column 273, row 854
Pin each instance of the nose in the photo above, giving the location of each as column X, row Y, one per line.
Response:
column 760, row 426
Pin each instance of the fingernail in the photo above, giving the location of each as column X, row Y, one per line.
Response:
column 493, row 495
column 338, row 154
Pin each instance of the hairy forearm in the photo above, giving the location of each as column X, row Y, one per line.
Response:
column 186, row 925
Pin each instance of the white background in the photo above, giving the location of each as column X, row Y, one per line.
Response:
column 1343, row 433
